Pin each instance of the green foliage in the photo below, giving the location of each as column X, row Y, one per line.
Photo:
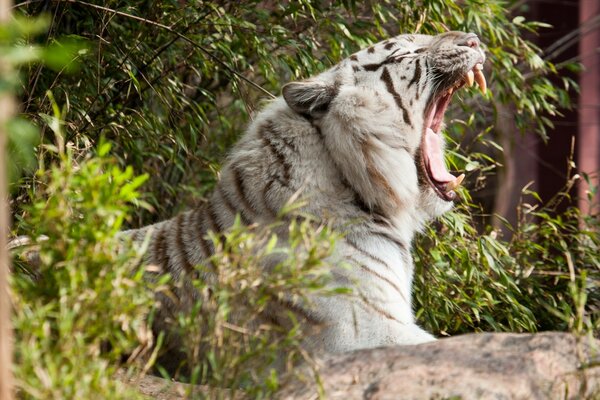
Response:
column 228, row 339
column 23, row 136
column 86, row 306
column 468, row 282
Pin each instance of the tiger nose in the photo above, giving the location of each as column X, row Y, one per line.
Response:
column 469, row 40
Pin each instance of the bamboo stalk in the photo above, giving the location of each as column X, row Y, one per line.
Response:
column 6, row 111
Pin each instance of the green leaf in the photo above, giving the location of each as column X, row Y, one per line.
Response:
column 23, row 136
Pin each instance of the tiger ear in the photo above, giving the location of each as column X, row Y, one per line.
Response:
column 310, row 97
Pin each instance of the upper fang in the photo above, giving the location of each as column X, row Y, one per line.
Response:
column 470, row 77
column 480, row 78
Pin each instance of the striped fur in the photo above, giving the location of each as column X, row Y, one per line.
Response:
column 349, row 139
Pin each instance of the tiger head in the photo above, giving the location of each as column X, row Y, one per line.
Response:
column 381, row 112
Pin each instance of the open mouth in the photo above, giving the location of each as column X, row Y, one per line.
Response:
column 432, row 153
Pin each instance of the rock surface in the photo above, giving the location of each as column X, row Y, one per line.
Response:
column 477, row 366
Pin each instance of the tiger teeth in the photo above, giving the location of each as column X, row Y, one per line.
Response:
column 479, row 66
column 480, row 79
column 455, row 183
column 470, row 78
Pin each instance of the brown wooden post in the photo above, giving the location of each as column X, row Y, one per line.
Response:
column 589, row 101
column 6, row 111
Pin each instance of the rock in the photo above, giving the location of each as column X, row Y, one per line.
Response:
column 154, row 387
column 476, row 366
column 500, row 366
column 157, row 388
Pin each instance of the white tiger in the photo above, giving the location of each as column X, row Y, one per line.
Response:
column 362, row 142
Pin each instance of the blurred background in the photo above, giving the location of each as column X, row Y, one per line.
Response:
column 574, row 135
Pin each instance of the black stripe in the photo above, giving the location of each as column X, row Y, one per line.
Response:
column 213, row 218
column 271, row 320
column 137, row 235
column 320, row 135
column 378, row 275
column 232, row 209
column 387, row 79
column 389, row 45
column 160, row 250
column 373, row 67
column 180, row 246
column 366, row 253
column 379, row 310
column 205, row 244
column 228, row 204
column 392, row 59
column 278, row 155
column 238, row 184
column 298, row 310
column 453, row 58
column 390, row 238
column 416, row 77
column 265, row 192
column 358, row 199
column 380, row 219
column 376, row 66
column 287, row 141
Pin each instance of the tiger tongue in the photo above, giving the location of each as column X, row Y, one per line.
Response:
column 434, row 158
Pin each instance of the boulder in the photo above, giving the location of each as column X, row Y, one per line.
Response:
column 475, row 366
column 549, row 365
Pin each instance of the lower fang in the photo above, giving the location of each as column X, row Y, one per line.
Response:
column 455, row 183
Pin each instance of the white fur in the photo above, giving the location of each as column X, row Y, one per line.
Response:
column 348, row 140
